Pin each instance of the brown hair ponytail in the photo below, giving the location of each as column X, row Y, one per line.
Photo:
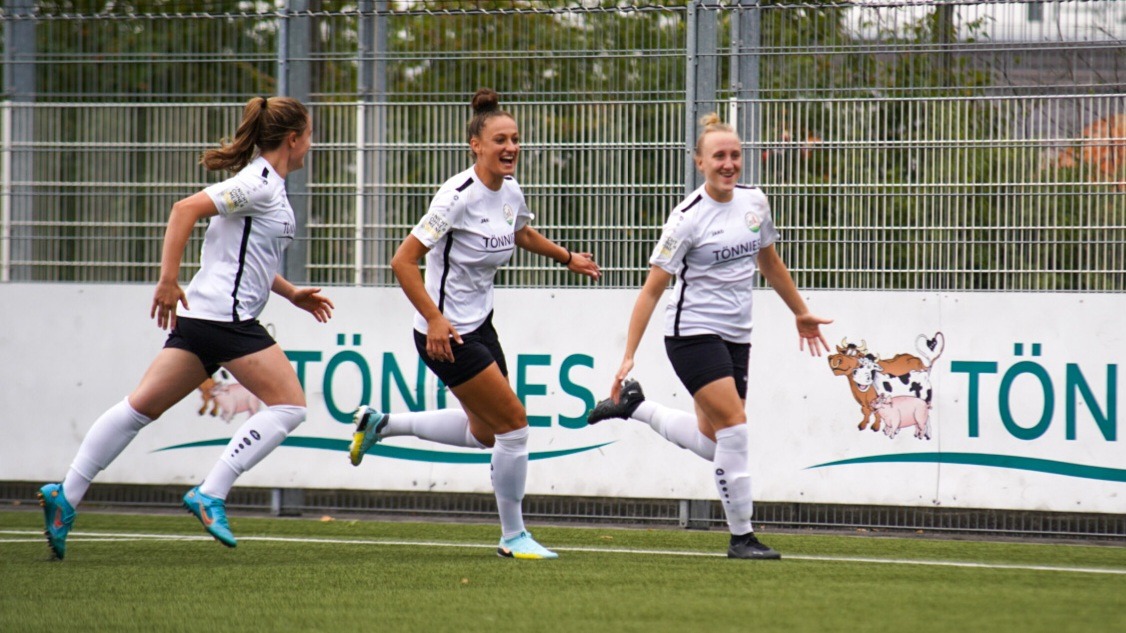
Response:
column 265, row 124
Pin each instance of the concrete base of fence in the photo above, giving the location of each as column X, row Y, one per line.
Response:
column 670, row 513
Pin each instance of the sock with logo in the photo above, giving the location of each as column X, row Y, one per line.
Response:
column 732, row 476
column 445, row 426
column 110, row 434
column 676, row 426
column 256, row 438
column 510, row 474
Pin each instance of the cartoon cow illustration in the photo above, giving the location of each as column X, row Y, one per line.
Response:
column 846, row 362
column 903, row 411
column 903, row 375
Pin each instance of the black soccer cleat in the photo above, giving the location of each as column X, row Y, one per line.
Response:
column 627, row 403
column 749, row 547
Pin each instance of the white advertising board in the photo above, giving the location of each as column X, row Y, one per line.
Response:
column 1023, row 408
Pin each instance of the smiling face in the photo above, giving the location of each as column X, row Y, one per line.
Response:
column 720, row 159
column 496, row 148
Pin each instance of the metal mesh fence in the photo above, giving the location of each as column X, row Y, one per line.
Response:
column 904, row 144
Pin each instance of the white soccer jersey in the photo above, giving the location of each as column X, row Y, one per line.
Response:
column 243, row 246
column 470, row 231
column 711, row 248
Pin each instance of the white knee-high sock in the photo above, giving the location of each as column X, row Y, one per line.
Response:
column 445, row 426
column 110, row 434
column 510, row 474
column 676, row 426
column 732, row 478
column 256, row 438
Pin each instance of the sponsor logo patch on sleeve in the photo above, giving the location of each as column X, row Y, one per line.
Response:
column 434, row 226
column 235, row 198
column 668, row 246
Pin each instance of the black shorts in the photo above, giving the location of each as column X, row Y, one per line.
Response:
column 705, row 358
column 479, row 349
column 216, row 342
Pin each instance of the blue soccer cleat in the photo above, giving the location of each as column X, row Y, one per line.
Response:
column 58, row 517
column 212, row 513
column 369, row 423
column 524, row 547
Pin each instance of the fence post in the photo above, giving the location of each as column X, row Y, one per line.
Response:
column 694, row 514
column 6, row 191
column 287, row 502
column 944, row 36
column 17, row 201
column 295, row 80
column 371, row 134
column 700, row 82
column 746, row 40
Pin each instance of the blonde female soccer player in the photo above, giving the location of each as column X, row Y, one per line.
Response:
column 712, row 244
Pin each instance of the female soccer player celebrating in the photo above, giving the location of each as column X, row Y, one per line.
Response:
column 251, row 224
column 711, row 244
column 474, row 223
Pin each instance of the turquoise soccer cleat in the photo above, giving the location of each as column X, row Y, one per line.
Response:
column 369, row 423
column 524, row 547
column 58, row 517
column 212, row 513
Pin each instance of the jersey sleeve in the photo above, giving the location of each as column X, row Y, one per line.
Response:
column 236, row 196
column 767, row 232
column 445, row 213
column 676, row 239
column 523, row 215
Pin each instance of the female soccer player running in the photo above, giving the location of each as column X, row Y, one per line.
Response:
column 711, row 244
column 251, row 225
column 474, row 223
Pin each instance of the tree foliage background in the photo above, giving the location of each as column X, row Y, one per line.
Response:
column 896, row 151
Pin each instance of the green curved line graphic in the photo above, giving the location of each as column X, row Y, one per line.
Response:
column 393, row 452
column 996, row 461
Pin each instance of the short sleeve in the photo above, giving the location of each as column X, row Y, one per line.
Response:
column 446, row 210
column 768, row 234
column 675, row 241
column 237, row 196
column 523, row 215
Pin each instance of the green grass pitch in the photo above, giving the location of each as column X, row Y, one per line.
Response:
column 162, row 573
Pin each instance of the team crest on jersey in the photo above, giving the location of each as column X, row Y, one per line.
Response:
column 235, row 198
column 754, row 223
column 508, row 215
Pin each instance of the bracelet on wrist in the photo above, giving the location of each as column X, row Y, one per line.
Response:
column 570, row 255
